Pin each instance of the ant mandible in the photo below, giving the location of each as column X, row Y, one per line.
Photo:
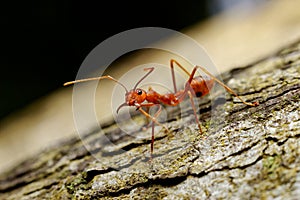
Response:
column 196, row 86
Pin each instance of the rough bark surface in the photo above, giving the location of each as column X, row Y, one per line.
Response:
column 244, row 153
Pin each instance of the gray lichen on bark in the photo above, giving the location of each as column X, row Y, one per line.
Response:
column 244, row 153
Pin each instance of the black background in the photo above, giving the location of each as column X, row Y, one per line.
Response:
column 44, row 42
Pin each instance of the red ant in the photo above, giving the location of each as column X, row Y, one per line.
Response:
column 196, row 86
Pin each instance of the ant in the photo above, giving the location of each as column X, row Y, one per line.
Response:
column 196, row 86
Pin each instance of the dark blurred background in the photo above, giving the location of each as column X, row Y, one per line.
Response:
column 44, row 42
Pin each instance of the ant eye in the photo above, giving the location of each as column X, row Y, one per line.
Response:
column 139, row 92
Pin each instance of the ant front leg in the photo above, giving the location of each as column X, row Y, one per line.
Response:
column 153, row 119
column 152, row 125
column 148, row 120
column 149, row 116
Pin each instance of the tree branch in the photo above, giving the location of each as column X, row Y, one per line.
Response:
column 245, row 152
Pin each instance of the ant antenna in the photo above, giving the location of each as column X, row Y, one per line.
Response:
column 96, row 78
column 150, row 70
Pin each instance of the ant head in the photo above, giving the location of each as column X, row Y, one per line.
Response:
column 135, row 97
column 132, row 98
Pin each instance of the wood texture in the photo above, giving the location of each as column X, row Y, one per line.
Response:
column 245, row 152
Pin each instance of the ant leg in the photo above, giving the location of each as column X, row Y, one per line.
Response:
column 172, row 61
column 222, row 84
column 153, row 123
column 147, row 119
column 153, row 119
column 194, row 109
column 152, row 136
column 181, row 97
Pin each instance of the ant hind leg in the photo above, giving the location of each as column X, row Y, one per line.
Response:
column 172, row 61
column 221, row 83
column 195, row 111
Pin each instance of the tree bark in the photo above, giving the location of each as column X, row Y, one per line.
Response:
column 244, row 152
